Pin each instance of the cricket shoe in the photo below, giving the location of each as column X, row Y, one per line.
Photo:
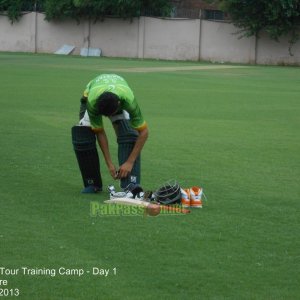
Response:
column 185, row 197
column 111, row 189
column 134, row 190
column 116, row 195
column 196, row 196
column 91, row 189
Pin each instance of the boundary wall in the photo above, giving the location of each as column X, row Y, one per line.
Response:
column 146, row 37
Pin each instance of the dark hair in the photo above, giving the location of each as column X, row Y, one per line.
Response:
column 107, row 103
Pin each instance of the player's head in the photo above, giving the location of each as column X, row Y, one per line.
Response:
column 108, row 104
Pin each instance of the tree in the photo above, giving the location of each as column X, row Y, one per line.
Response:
column 14, row 8
column 277, row 17
column 94, row 9
column 98, row 9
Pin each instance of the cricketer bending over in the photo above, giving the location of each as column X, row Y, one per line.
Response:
column 109, row 95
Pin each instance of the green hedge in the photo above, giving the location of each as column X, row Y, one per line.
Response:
column 76, row 9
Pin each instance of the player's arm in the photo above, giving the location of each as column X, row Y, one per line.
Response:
column 103, row 143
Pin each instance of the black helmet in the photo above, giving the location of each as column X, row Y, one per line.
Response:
column 169, row 193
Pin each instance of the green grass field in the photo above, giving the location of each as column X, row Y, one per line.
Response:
column 234, row 131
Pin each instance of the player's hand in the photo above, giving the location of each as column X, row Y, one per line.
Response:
column 113, row 171
column 125, row 170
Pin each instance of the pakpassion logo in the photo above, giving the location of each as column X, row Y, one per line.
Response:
column 98, row 209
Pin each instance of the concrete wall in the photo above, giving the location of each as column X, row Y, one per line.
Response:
column 145, row 37
column 171, row 39
column 116, row 37
column 18, row 37
column 272, row 52
column 51, row 36
column 220, row 43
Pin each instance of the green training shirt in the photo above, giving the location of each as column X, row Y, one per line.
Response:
column 115, row 84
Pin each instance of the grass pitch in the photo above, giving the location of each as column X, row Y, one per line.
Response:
column 234, row 131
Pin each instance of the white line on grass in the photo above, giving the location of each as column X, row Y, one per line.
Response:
column 172, row 69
